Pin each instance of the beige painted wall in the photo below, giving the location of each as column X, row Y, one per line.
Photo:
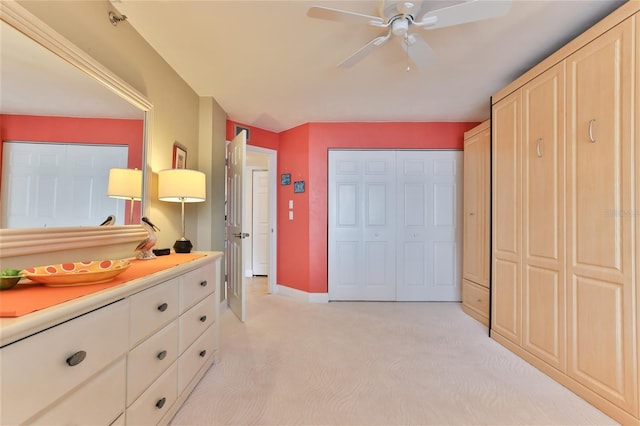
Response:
column 175, row 111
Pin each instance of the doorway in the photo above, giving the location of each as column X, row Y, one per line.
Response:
column 260, row 198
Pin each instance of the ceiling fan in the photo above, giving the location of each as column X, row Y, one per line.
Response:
column 399, row 18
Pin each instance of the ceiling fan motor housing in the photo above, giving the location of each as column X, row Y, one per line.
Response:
column 400, row 26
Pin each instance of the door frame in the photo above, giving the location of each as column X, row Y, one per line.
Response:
column 272, row 156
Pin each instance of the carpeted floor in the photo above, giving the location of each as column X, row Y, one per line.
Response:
column 371, row 364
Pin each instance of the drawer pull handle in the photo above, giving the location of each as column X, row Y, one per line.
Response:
column 161, row 355
column 163, row 307
column 203, row 318
column 203, row 283
column 76, row 358
column 203, row 353
column 161, row 402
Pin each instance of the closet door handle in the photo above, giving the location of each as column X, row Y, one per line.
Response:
column 591, row 138
column 203, row 353
column 203, row 283
column 539, row 147
column 161, row 355
column 163, row 307
column 203, row 318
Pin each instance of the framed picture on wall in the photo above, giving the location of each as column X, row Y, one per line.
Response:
column 179, row 156
column 285, row 179
column 298, row 186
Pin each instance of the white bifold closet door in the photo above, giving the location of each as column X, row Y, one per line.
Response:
column 395, row 225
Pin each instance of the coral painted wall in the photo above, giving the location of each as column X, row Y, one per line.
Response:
column 33, row 128
column 293, row 235
column 258, row 137
column 324, row 136
column 303, row 152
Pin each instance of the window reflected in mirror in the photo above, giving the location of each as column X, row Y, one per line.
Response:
column 61, row 131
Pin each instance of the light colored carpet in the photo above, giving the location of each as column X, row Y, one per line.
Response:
column 295, row 363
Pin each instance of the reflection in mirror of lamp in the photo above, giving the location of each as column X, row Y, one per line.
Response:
column 46, row 99
column 25, row 245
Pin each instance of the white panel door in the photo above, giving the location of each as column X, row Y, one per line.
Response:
column 56, row 184
column 236, row 295
column 429, row 189
column 395, row 225
column 362, row 225
column 260, row 226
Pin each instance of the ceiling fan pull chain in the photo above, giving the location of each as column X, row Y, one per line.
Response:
column 406, row 40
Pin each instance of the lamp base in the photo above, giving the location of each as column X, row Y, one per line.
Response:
column 183, row 246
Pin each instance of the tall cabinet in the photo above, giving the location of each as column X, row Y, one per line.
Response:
column 475, row 256
column 564, row 220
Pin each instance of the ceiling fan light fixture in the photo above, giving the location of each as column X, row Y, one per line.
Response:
column 399, row 27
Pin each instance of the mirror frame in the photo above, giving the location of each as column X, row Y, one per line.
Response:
column 21, row 242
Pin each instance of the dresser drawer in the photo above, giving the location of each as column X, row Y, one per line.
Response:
column 476, row 298
column 98, row 402
column 195, row 321
column 156, row 401
column 196, row 285
column 40, row 369
column 149, row 359
column 153, row 308
column 195, row 357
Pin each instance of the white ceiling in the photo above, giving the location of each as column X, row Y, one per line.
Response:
column 269, row 65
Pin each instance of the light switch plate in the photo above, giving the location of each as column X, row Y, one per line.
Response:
column 290, row 214
column 290, row 204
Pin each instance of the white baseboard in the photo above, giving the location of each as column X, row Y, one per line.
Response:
column 300, row 295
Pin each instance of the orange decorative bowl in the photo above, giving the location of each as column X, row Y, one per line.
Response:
column 79, row 273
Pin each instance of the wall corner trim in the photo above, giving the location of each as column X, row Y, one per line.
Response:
column 302, row 296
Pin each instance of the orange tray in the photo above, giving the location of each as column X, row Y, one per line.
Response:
column 30, row 297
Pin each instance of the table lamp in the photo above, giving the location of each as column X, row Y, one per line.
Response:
column 125, row 184
column 181, row 186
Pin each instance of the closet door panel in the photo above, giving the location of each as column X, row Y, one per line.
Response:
column 506, row 213
column 599, row 222
column 429, row 225
column 362, row 225
column 543, row 278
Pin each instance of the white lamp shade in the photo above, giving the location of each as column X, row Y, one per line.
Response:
column 178, row 185
column 125, row 183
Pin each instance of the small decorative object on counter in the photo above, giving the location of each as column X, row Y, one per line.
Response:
column 145, row 247
column 76, row 273
column 9, row 278
column 109, row 221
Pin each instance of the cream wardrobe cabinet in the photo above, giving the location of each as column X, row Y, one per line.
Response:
column 565, row 156
column 475, row 258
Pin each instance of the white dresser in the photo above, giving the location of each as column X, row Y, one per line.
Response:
column 126, row 355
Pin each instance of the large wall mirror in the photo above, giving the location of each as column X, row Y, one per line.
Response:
column 60, row 109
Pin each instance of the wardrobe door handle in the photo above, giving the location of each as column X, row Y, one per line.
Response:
column 76, row 358
column 203, row 283
column 163, row 307
column 161, row 402
column 203, row 353
column 203, row 318
column 161, row 355
column 591, row 138
column 538, row 147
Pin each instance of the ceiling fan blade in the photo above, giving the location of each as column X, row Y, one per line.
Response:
column 418, row 51
column 462, row 13
column 330, row 14
column 364, row 51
